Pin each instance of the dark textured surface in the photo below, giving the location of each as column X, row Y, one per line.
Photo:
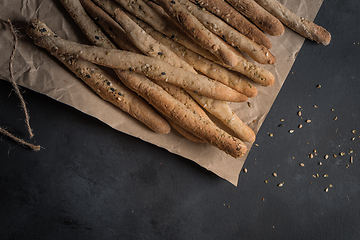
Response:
column 92, row 182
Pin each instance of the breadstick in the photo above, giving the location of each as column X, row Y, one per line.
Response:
column 183, row 132
column 151, row 67
column 105, row 86
column 189, row 120
column 108, row 25
column 259, row 16
column 298, row 24
column 257, row 52
column 232, row 17
column 160, row 22
column 219, row 109
column 144, row 42
column 201, row 64
column 118, row 35
column 255, row 73
column 197, row 31
column 80, row 17
column 222, row 111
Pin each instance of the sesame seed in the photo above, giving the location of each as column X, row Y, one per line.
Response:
column 300, row 126
column 325, row 175
column 281, row 184
column 326, row 189
column 245, row 170
column 271, row 135
column 266, row 181
column 308, row 121
column 299, row 113
column 291, row 131
column 274, row 174
column 311, row 155
column 318, row 86
column 326, row 156
column 320, row 163
column 302, row 164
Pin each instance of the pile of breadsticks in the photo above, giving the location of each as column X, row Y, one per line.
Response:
column 177, row 61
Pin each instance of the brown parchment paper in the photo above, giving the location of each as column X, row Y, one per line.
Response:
column 36, row 69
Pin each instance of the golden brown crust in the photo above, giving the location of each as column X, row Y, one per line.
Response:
column 109, row 26
column 186, row 118
column 80, row 17
column 151, row 67
column 219, row 109
column 298, row 24
column 184, row 132
column 204, row 65
column 259, row 16
column 232, row 17
column 105, row 86
column 197, row 31
column 230, row 35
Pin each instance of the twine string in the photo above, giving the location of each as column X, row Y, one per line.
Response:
column 18, row 93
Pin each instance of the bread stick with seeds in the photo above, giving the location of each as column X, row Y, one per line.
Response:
column 188, row 119
column 259, row 16
column 118, row 35
column 197, row 31
column 222, row 111
column 219, row 109
column 148, row 45
column 298, row 24
column 232, row 17
column 162, row 23
column 148, row 66
column 105, row 86
column 201, row 64
column 151, row 47
column 230, row 35
column 77, row 12
column 245, row 67
column 108, row 25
